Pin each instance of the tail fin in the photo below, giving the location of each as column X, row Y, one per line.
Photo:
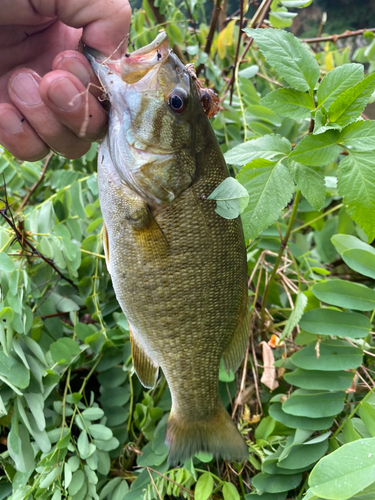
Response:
column 217, row 435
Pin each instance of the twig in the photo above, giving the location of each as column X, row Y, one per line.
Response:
column 211, row 31
column 236, row 64
column 269, row 79
column 153, row 482
column 264, row 7
column 283, row 245
column 334, row 38
column 243, row 379
column 161, row 19
column 23, row 241
column 170, row 480
column 33, row 188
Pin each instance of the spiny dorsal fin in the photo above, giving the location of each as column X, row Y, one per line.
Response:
column 145, row 368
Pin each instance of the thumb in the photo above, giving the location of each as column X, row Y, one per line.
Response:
column 105, row 23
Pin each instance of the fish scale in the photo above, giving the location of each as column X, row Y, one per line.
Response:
column 178, row 268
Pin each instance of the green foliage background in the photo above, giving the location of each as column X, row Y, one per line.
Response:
column 74, row 420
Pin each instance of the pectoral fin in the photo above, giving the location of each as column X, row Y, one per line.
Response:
column 152, row 242
column 106, row 247
column 234, row 353
column 145, row 368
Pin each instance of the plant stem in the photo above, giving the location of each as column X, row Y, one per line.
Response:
column 333, row 38
column 352, row 413
column 283, row 245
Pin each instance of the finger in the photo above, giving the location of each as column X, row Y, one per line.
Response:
column 73, row 105
column 78, row 65
column 23, row 88
column 18, row 137
column 105, row 24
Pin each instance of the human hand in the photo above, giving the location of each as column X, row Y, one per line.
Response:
column 42, row 75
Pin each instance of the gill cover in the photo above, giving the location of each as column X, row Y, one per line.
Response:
column 151, row 124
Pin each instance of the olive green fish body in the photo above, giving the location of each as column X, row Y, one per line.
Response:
column 178, row 270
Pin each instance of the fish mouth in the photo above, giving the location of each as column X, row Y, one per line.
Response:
column 136, row 65
column 133, row 66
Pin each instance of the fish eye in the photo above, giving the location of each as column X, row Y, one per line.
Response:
column 177, row 100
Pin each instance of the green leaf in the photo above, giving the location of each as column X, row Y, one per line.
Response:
column 345, row 294
column 355, row 472
column 270, row 188
column 337, row 81
column 77, row 200
column 310, row 181
column 294, row 4
column 204, row 457
column 100, row 431
column 15, row 372
column 6, row 264
column 263, row 114
column 356, row 186
column 92, row 413
column 317, row 150
column 310, row 424
column 266, row 496
column 314, row 404
column 275, row 483
column 336, row 323
column 348, row 106
column 367, row 414
column 295, row 316
column 302, row 455
column 120, row 491
column 269, row 147
column 334, row 355
column 359, row 136
column 76, row 483
column 83, row 445
column 344, row 242
column 361, row 261
column 320, row 380
column 204, row 486
column 231, row 198
column 60, row 353
column 289, row 56
column 6, row 314
column 290, row 103
column 230, row 492
column 109, row 487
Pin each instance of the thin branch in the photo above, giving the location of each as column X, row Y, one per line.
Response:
column 33, row 188
column 161, row 19
column 283, row 245
column 334, row 38
column 240, row 33
column 211, row 32
column 23, row 241
column 263, row 10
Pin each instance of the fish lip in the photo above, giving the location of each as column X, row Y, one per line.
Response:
column 131, row 67
column 154, row 45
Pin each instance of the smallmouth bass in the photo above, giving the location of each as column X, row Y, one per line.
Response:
column 178, row 268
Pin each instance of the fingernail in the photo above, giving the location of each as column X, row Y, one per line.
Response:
column 10, row 122
column 73, row 65
column 26, row 88
column 65, row 95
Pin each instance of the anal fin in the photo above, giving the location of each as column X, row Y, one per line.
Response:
column 145, row 368
column 234, row 352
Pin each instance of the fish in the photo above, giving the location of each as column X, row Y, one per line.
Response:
column 178, row 268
